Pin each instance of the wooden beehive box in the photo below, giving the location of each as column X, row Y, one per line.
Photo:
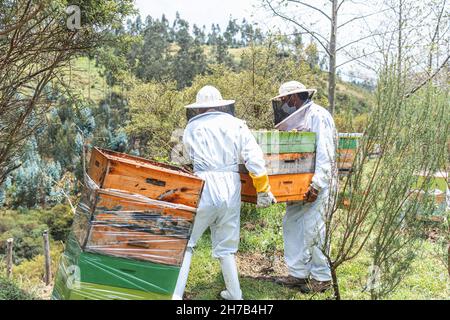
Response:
column 287, row 163
column 436, row 186
column 112, row 170
column 438, row 180
column 290, row 162
column 285, row 187
column 89, row 276
column 345, row 158
column 119, row 224
column 346, row 152
column 276, row 142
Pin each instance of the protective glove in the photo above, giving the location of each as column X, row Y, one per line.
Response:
column 261, row 183
column 265, row 199
column 312, row 194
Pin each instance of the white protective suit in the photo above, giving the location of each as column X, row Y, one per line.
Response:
column 304, row 223
column 216, row 143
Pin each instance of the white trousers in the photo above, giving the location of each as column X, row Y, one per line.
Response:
column 220, row 210
column 304, row 235
column 224, row 224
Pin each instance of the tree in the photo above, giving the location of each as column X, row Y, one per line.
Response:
column 199, row 34
column 411, row 128
column 154, row 57
column 33, row 183
column 231, row 32
column 381, row 206
column 312, row 55
column 213, row 36
column 110, row 118
column 59, row 220
column 189, row 60
column 329, row 42
column 247, row 33
column 221, row 54
column 134, row 28
column 156, row 110
column 34, row 44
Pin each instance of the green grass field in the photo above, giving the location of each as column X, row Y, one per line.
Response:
column 85, row 79
column 261, row 256
column 260, row 259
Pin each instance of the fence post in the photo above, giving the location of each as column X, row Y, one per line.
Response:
column 9, row 257
column 48, row 271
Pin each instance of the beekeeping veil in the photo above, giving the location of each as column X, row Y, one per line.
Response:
column 283, row 109
column 209, row 98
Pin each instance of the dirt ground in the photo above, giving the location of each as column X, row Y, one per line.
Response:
column 259, row 266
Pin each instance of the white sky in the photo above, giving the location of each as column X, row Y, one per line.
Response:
column 200, row 12
column 206, row 12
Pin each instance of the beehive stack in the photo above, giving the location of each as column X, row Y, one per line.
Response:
column 348, row 146
column 435, row 201
column 290, row 162
column 130, row 230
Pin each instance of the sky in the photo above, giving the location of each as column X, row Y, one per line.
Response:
column 206, row 12
column 200, row 12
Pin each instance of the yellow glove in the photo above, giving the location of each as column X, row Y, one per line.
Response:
column 260, row 183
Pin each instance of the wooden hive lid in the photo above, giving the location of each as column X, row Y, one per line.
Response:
column 350, row 135
column 142, row 162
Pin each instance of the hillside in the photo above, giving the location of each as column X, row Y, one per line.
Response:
column 86, row 78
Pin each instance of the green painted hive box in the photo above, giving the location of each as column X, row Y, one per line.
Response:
column 274, row 142
column 432, row 181
column 432, row 187
column 349, row 140
column 82, row 275
column 93, row 291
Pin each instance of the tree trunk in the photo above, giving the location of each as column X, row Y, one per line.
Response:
column 448, row 260
column 332, row 66
column 448, row 255
column 337, row 293
column 400, row 41
column 9, row 257
column 48, row 271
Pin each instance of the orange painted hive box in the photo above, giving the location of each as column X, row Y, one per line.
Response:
column 347, row 149
column 120, row 224
column 113, row 170
column 290, row 162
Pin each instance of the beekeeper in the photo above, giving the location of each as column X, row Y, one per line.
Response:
column 216, row 142
column 304, row 222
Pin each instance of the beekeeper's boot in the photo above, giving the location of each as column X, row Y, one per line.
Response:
column 183, row 276
column 230, row 275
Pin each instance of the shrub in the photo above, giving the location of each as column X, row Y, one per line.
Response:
column 59, row 220
column 9, row 290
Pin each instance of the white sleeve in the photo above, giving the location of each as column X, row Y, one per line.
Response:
column 325, row 131
column 251, row 152
column 187, row 150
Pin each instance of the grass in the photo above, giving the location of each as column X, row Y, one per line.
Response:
column 85, row 79
column 261, row 256
column 27, row 282
column 9, row 290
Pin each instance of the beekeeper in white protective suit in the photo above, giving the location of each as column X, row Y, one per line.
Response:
column 216, row 142
column 304, row 222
